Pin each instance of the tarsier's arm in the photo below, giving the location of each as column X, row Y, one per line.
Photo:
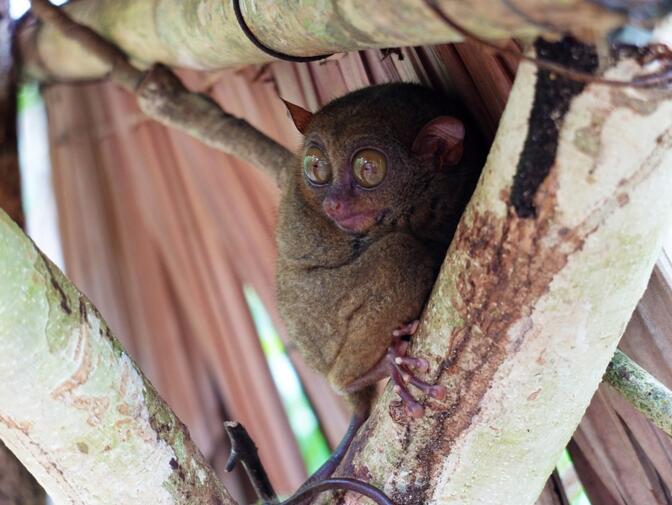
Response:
column 162, row 96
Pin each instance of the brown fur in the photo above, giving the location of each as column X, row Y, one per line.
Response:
column 342, row 294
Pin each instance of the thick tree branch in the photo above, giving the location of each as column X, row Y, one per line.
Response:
column 73, row 407
column 520, row 326
column 158, row 31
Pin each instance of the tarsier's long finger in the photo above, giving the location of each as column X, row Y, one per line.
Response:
column 406, row 329
column 436, row 391
column 419, row 364
column 412, row 406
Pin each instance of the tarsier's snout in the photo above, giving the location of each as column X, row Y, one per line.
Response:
column 347, row 217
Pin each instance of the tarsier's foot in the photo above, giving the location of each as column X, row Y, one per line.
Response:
column 402, row 369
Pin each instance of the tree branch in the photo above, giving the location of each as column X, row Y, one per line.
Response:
column 74, row 408
column 157, row 31
column 519, row 326
column 646, row 393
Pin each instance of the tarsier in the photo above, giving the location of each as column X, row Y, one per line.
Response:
column 366, row 217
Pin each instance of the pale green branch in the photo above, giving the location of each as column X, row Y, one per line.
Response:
column 646, row 393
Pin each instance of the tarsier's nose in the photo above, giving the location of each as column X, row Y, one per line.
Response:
column 334, row 208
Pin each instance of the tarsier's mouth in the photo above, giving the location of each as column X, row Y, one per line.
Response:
column 361, row 221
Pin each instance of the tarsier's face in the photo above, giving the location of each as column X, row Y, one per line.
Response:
column 350, row 189
column 364, row 164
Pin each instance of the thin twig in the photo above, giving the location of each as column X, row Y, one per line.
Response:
column 646, row 393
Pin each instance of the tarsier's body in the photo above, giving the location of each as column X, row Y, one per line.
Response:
column 365, row 221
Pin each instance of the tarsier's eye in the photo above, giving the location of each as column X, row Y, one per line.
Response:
column 316, row 167
column 369, row 168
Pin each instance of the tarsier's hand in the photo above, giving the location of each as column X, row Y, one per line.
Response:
column 401, row 368
column 401, row 371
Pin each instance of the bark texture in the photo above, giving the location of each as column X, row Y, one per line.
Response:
column 204, row 34
column 519, row 326
column 74, row 408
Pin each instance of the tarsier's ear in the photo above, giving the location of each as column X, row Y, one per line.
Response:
column 300, row 116
column 441, row 140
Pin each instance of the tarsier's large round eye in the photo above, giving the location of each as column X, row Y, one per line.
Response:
column 316, row 167
column 369, row 168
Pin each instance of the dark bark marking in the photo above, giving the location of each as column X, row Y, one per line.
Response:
column 65, row 304
column 552, row 98
column 83, row 314
column 64, row 299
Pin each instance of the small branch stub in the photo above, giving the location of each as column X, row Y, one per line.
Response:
column 244, row 450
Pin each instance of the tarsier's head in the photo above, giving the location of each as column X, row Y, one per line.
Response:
column 382, row 157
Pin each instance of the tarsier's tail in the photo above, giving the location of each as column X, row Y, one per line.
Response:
column 244, row 450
